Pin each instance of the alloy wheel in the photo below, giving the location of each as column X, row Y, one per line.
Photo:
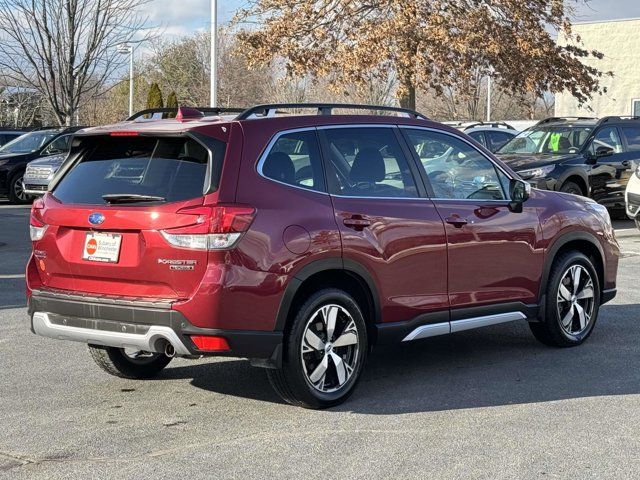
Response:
column 575, row 300
column 330, row 345
column 18, row 190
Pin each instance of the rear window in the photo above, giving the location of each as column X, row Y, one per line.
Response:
column 172, row 168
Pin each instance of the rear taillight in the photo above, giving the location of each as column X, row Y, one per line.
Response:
column 37, row 227
column 215, row 228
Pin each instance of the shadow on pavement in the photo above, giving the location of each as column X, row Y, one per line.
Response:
column 495, row 366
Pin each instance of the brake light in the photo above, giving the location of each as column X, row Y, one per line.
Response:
column 210, row 344
column 124, row 133
column 37, row 227
column 215, row 228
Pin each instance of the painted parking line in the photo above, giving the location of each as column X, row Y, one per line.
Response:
column 10, row 277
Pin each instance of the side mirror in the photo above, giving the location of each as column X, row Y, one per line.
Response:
column 601, row 152
column 604, row 152
column 519, row 191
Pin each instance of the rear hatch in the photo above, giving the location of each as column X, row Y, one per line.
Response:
column 106, row 216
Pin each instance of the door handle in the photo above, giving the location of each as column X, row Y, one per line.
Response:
column 357, row 222
column 456, row 221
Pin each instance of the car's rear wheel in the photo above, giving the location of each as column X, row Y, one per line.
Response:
column 16, row 190
column 572, row 302
column 128, row 364
column 571, row 187
column 325, row 351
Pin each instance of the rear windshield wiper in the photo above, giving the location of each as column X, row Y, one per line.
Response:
column 131, row 198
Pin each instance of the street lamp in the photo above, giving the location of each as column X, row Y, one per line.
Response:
column 214, row 53
column 127, row 49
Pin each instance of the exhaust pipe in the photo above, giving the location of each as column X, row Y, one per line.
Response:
column 169, row 351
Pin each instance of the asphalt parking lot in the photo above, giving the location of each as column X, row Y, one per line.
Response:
column 490, row 403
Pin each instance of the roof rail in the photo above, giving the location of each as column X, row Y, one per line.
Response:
column 203, row 110
column 487, row 124
column 557, row 119
column 270, row 110
column 617, row 118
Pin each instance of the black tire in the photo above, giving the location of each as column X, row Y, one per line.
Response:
column 551, row 331
column 16, row 195
column 292, row 381
column 638, row 222
column 116, row 362
column 572, row 188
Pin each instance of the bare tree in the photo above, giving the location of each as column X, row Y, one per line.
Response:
column 66, row 49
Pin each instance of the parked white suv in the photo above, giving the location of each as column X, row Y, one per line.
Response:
column 632, row 197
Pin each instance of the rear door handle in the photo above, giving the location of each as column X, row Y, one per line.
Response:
column 357, row 222
column 456, row 221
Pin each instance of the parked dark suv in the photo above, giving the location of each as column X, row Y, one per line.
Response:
column 584, row 156
column 300, row 241
column 15, row 155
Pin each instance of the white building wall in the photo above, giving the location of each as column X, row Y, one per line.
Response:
column 619, row 41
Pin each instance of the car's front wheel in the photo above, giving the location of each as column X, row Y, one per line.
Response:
column 572, row 302
column 572, row 188
column 325, row 351
column 124, row 363
column 17, row 194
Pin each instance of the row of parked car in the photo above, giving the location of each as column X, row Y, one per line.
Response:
column 597, row 158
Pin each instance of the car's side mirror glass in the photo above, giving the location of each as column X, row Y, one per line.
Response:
column 603, row 151
column 519, row 192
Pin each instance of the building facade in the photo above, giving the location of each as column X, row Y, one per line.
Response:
column 619, row 41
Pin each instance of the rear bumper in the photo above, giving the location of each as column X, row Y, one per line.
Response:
column 137, row 324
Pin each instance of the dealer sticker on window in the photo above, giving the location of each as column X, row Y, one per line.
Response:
column 102, row 247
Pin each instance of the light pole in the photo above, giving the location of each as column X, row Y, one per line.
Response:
column 489, row 98
column 126, row 49
column 214, row 53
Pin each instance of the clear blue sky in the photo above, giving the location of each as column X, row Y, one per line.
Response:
column 181, row 17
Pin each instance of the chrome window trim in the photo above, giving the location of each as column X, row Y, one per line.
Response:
column 497, row 166
column 265, row 154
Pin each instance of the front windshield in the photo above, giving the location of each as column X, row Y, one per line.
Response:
column 29, row 142
column 550, row 140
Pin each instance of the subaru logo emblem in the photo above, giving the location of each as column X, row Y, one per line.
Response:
column 96, row 218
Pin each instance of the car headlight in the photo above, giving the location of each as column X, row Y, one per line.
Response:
column 637, row 170
column 534, row 173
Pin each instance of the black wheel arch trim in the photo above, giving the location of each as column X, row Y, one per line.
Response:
column 318, row 266
column 574, row 172
column 560, row 242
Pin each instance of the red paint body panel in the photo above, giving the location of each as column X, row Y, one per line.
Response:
column 418, row 263
column 497, row 257
column 404, row 250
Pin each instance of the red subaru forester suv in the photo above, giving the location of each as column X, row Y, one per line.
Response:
column 301, row 240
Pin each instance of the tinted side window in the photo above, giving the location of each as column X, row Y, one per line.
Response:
column 369, row 162
column 454, row 168
column 632, row 134
column 60, row 144
column 478, row 137
column 606, row 137
column 498, row 139
column 295, row 160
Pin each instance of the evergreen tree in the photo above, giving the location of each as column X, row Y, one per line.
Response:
column 172, row 100
column 154, row 98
